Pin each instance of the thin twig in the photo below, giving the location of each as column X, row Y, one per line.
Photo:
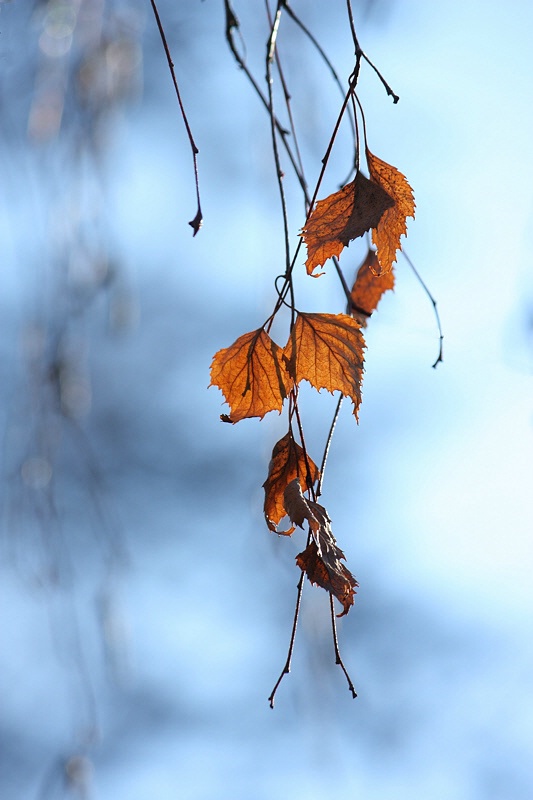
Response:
column 296, row 411
column 287, row 96
column 328, row 444
column 287, row 668
column 433, row 303
column 340, row 275
column 314, row 41
column 271, row 50
column 338, row 659
column 232, row 23
column 195, row 223
column 325, row 160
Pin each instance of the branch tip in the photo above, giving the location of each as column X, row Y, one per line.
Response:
column 197, row 222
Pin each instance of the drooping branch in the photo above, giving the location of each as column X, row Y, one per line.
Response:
column 256, row 374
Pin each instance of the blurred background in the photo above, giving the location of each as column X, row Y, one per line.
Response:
column 145, row 609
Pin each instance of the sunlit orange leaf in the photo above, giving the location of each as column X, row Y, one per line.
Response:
column 327, row 350
column 342, row 217
column 392, row 226
column 252, row 376
column 322, row 558
column 287, row 464
column 368, row 289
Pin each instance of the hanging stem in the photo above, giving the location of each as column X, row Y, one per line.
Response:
column 328, row 444
column 271, row 49
column 439, row 358
column 287, row 668
column 320, row 50
column 296, row 411
column 195, row 223
column 288, row 106
column 232, row 23
column 338, row 659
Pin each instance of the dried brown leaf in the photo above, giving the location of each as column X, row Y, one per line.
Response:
column 298, row 507
column 343, row 216
column 252, row 376
column 392, row 226
column 368, row 289
column 322, row 558
column 328, row 351
column 329, row 572
column 288, row 463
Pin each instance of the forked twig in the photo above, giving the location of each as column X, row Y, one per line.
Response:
column 287, row 668
column 195, row 223
column 338, row 659
column 359, row 53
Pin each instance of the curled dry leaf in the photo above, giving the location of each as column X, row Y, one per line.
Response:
column 328, row 571
column 252, row 376
column 288, row 463
column 328, row 351
column 392, row 226
column 343, row 216
column 298, row 508
column 369, row 288
column 322, row 558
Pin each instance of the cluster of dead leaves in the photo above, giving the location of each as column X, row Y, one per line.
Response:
column 256, row 375
column 381, row 204
column 322, row 558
